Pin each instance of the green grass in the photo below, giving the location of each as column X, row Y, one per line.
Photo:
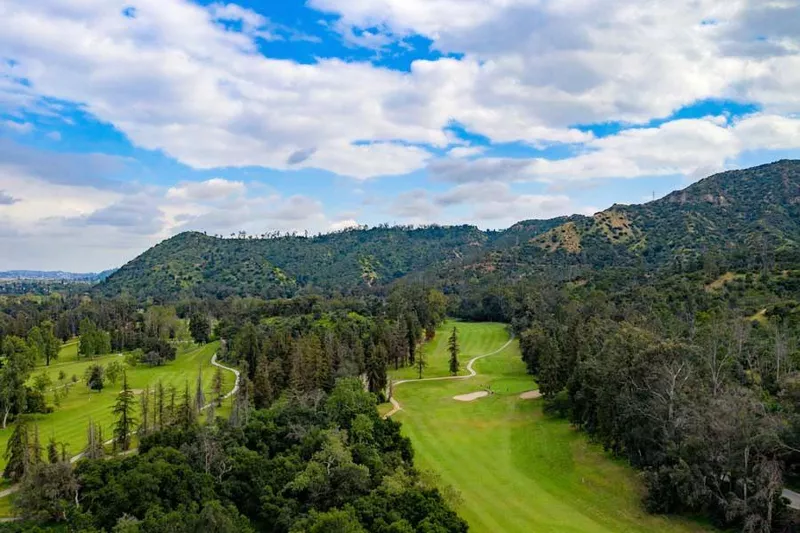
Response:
column 5, row 507
column 516, row 469
column 69, row 421
column 474, row 339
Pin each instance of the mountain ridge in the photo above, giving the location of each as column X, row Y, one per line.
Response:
column 730, row 213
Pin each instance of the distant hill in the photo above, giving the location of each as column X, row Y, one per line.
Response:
column 38, row 275
column 200, row 265
column 746, row 215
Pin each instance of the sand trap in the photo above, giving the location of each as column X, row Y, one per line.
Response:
column 531, row 395
column 135, row 391
column 472, row 396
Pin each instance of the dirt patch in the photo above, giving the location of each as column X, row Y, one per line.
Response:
column 471, row 397
column 531, row 395
column 135, row 391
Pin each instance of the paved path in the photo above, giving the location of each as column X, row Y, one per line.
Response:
column 793, row 497
column 75, row 459
column 396, row 405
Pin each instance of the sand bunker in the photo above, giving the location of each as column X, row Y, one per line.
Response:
column 472, row 396
column 531, row 395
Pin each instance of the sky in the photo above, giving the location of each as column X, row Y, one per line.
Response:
column 123, row 123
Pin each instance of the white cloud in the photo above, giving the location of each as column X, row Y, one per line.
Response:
column 691, row 147
column 466, row 151
column 215, row 188
column 344, row 224
column 22, row 128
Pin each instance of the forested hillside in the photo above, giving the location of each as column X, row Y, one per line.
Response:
column 749, row 216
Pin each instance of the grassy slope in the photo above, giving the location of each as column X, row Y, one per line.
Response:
column 474, row 339
column 69, row 421
column 517, row 470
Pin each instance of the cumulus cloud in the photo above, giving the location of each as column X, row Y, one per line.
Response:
column 22, row 128
column 215, row 188
column 494, row 204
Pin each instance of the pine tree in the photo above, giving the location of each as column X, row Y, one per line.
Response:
column 216, row 386
column 186, row 412
column 36, row 446
column 144, row 410
column 123, row 411
column 199, row 396
column 18, row 452
column 421, row 362
column 241, row 404
column 211, row 413
column 262, row 386
column 453, row 348
column 172, row 408
column 159, row 407
column 52, row 451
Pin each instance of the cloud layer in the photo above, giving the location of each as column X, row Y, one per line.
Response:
column 502, row 103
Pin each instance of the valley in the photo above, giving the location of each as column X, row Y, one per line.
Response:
column 509, row 466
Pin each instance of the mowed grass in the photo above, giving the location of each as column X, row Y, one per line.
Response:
column 68, row 423
column 516, row 469
column 474, row 339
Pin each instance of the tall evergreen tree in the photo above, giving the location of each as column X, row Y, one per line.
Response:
column 52, row 451
column 421, row 363
column 262, row 386
column 453, row 348
column 199, row 396
column 144, row 410
column 125, row 418
column 36, row 446
column 18, row 451
column 187, row 415
column 216, row 386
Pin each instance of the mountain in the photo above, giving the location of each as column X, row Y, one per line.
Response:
column 737, row 214
column 197, row 264
column 37, row 275
column 742, row 215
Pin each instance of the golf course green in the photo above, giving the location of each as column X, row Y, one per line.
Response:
column 68, row 422
column 516, row 470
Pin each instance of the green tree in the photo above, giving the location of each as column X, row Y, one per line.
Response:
column 200, row 328
column 17, row 361
column 95, row 377
column 421, row 363
column 52, row 451
column 124, row 414
column 48, row 492
column 114, row 370
column 199, row 395
column 453, row 348
column 216, row 386
column 18, row 451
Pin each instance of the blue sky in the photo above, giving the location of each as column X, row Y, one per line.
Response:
column 125, row 122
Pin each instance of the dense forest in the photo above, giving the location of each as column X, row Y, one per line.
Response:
column 666, row 332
